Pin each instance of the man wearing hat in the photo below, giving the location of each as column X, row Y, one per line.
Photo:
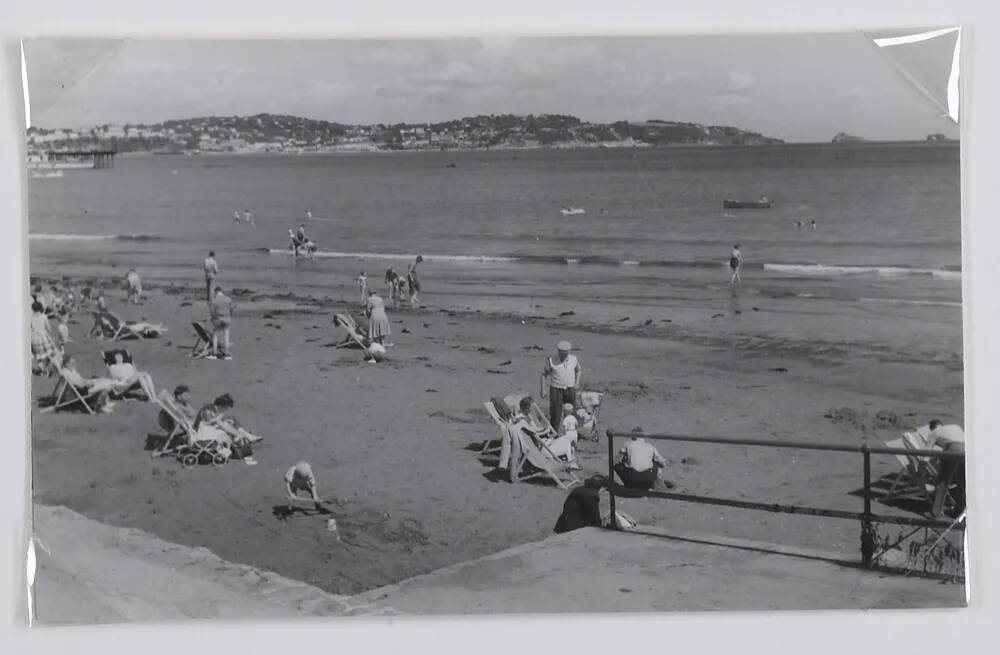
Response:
column 563, row 377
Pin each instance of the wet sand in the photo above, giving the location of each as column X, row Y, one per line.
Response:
column 397, row 443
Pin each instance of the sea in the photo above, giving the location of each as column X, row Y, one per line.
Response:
column 491, row 229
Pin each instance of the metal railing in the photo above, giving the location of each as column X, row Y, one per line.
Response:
column 866, row 517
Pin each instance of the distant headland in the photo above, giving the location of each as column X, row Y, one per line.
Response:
column 280, row 133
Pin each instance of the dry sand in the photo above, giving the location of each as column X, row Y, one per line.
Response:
column 397, row 443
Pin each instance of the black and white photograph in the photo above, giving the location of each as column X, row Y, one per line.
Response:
column 495, row 325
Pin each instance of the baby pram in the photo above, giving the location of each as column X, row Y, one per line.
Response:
column 203, row 452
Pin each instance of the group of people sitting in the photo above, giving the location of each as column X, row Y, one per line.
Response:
column 123, row 380
column 530, row 420
column 210, row 423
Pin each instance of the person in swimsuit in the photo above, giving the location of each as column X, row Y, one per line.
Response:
column 211, row 272
column 391, row 277
column 413, row 281
column 736, row 263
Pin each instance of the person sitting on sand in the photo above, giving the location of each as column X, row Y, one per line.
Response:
column 640, row 464
column 125, row 374
column 221, row 318
column 300, row 478
column 44, row 351
column 951, row 470
column 134, row 287
column 413, row 281
column 562, row 377
column 378, row 320
column 736, row 263
column 582, row 507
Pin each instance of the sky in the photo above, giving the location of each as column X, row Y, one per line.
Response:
column 793, row 87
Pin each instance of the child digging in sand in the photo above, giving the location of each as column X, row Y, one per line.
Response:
column 300, row 478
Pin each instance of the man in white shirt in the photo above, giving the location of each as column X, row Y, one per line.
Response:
column 562, row 377
column 640, row 464
column 951, row 470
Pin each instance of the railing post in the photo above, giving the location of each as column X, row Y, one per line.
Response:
column 613, row 517
column 867, row 530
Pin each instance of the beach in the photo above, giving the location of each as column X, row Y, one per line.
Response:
column 848, row 334
column 397, row 443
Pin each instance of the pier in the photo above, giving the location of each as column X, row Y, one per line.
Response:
column 101, row 158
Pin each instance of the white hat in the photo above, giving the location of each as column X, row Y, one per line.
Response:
column 564, row 346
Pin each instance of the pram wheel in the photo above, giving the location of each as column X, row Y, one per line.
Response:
column 218, row 459
column 189, row 460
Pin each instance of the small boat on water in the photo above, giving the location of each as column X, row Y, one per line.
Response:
column 764, row 203
column 572, row 211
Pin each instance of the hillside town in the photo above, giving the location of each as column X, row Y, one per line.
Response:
column 292, row 134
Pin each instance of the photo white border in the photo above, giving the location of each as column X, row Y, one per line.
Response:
column 744, row 632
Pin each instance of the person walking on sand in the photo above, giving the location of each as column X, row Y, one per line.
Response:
column 562, row 377
column 221, row 317
column 300, row 478
column 211, row 272
column 236, row 215
column 363, row 285
column 378, row 321
column 309, row 215
column 391, row 277
column 248, row 217
column 413, row 281
column 134, row 287
column 736, row 263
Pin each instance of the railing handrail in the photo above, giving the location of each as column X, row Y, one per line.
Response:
column 801, row 445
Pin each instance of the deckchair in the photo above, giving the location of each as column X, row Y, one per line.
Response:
column 917, row 479
column 109, row 360
column 530, row 458
column 502, row 410
column 353, row 336
column 178, row 426
column 110, row 326
column 203, row 346
column 189, row 453
column 66, row 395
